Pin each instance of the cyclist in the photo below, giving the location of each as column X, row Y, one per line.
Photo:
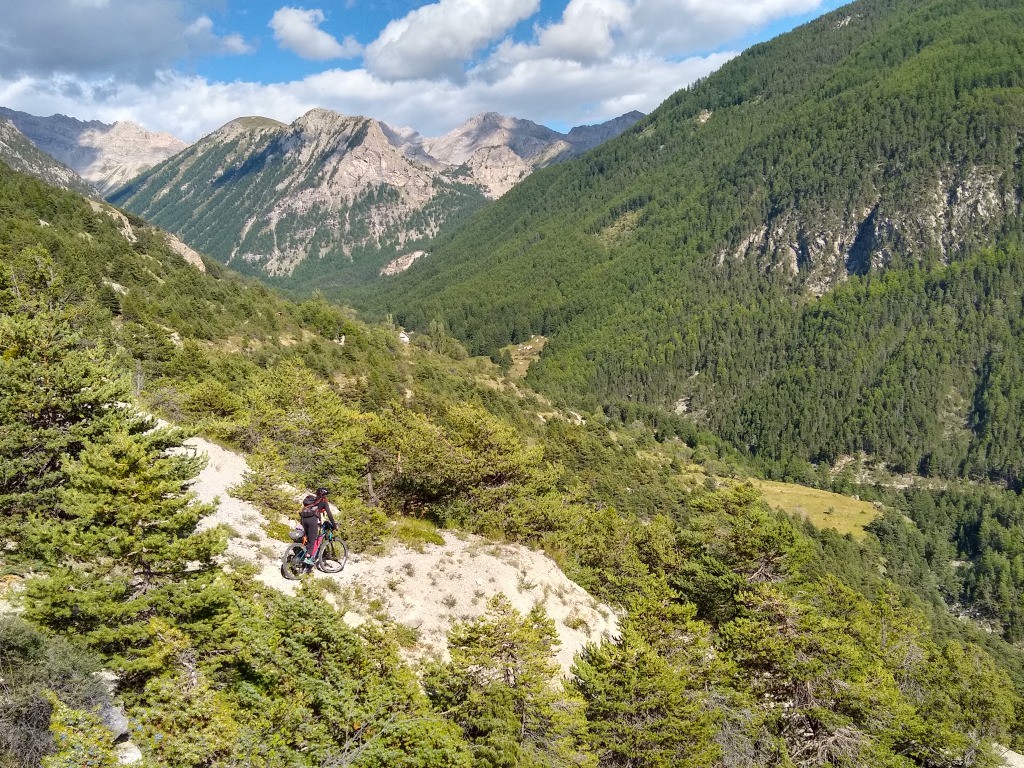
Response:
column 313, row 509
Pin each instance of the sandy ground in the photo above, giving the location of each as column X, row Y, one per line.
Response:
column 425, row 591
column 1010, row 758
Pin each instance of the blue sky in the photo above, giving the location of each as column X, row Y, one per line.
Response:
column 188, row 66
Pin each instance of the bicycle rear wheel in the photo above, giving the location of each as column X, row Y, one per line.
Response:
column 291, row 562
column 332, row 556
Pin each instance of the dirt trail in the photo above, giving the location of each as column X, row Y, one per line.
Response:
column 425, row 591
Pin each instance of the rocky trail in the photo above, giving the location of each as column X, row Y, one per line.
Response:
column 425, row 591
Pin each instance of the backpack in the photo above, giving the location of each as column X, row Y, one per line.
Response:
column 309, row 507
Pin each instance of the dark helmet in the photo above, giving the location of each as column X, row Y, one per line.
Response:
column 321, row 491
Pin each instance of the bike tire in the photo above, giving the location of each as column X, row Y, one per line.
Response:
column 291, row 563
column 332, row 556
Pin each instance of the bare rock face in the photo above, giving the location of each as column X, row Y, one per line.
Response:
column 960, row 209
column 106, row 156
column 23, row 156
column 533, row 144
column 402, row 263
column 189, row 255
column 124, row 151
column 266, row 197
column 496, row 169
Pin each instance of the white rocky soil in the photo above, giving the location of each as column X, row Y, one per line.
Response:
column 426, row 591
column 1010, row 758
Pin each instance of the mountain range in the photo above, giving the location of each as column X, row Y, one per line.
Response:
column 341, row 198
column 105, row 155
column 806, row 268
column 22, row 155
column 777, row 246
column 714, row 631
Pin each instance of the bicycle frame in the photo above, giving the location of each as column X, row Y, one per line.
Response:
column 325, row 534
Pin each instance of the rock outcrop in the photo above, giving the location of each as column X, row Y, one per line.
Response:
column 960, row 209
column 265, row 197
column 106, row 156
column 23, row 156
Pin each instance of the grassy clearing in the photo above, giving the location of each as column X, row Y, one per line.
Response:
column 415, row 533
column 523, row 355
column 823, row 508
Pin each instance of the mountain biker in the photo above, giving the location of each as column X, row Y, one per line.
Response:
column 313, row 509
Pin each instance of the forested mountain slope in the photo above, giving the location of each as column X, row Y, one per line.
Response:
column 748, row 638
column 334, row 199
column 21, row 154
column 792, row 251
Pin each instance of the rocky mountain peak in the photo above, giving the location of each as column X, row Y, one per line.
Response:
column 320, row 120
column 533, row 143
column 252, row 123
column 23, row 156
column 105, row 155
column 335, row 186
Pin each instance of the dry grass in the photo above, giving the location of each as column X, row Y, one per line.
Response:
column 523, row 355
column 823, row 508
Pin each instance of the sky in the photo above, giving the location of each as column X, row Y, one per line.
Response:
column 189, row 66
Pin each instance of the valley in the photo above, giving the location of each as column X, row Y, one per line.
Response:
column 334, row 201
column 688, row 439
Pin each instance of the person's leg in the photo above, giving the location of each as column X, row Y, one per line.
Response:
column 311, row 528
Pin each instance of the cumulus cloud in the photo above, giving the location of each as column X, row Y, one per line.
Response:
column 668, row 27
column 298, row 30
column 593, row 31
column 586, row 32
column 436, row 40
column 203, row 40
column 545, row 91
column 430, row 70
column 130, row 39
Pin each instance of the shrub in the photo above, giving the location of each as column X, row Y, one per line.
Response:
column 31, row 664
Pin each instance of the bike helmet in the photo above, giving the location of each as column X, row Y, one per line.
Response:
column 321, row 491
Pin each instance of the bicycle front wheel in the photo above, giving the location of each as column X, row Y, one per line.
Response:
column 332, row 556
column 291, row 562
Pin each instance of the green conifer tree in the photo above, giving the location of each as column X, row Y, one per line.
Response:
column 499, row 687
column 129, row 549
column 58, row 387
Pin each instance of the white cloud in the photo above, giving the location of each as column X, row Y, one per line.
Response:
column 202, row 39
column 546, row 91
column 669, row 27
column 598, row 30
column 129, row 40
column 601, row 58
column 586, row 32
column 437, row 40
column 298, row 30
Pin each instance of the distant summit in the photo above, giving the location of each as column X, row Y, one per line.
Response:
column 336, row 197
column 25, row 157
column 106, row 156
column 584, row 137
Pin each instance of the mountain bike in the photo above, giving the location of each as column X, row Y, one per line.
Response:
column 331, row 555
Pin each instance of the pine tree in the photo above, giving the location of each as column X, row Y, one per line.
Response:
column 59, row 388
column 130, row 549
column 646, row 693
column 499, row 688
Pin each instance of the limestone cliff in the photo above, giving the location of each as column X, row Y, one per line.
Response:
column 333, row 194
column 23, row 156
column 104, row 155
